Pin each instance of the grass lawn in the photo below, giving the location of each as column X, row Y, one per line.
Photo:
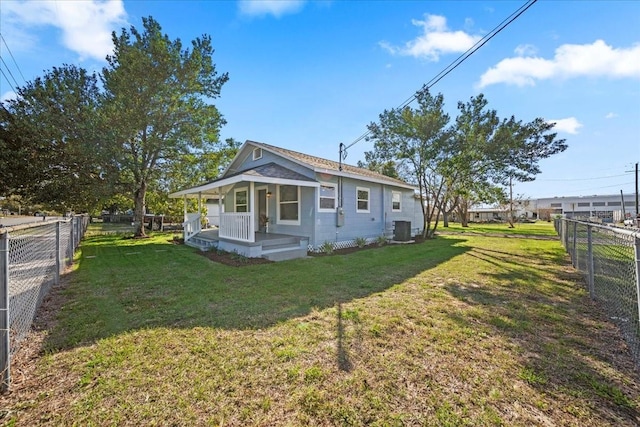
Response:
column 461, row 330
column 538, row 228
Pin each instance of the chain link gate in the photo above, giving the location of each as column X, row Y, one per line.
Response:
column 32, row 257
column 609, row 258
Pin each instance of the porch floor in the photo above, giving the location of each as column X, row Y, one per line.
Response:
column 273, row 246
column 212, row 234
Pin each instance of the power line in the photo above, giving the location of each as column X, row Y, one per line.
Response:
column 14, row 59
column 453, row 65
column 606, row 186
column 10, row 73
column 7, row 79
column 585, row 179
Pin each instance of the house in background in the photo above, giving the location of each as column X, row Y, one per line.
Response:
column 214, row 209
column 279, row 203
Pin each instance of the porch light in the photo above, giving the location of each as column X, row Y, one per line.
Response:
column 268, row 194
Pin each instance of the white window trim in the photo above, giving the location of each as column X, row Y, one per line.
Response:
column 257, row 153
column 335, row 198
column 286, row 221
column 393, row 193
column 235, row 198
column 368, row 200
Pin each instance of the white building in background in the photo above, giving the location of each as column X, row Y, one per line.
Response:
column 607, row 208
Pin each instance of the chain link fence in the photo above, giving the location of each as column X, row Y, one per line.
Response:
column 32, row 256
column 609, row 258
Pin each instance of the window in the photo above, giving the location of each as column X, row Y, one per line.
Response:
column 257, row 153
column 396, row 198
column 241, row 200
column 598, row 203
column 556, row 205
column 584, row 204
column 628, row 203
column 327, row 198
column 614, row 204
column 288, row 204
column 362, row 200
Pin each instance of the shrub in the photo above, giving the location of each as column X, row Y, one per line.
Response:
column 361, row 242
column 381, row 240
column 327, row 247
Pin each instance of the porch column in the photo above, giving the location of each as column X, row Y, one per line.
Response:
column 219, row 206
column 200, row 202
column 184, row 204
column 252, row 204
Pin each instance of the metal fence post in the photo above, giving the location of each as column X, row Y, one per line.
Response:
column 637, row 253
column 574, row 255
column 73, row 241
column 5, row 360
column 58, row 253
column 590, row 272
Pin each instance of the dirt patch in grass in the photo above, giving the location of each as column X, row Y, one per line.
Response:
column 234, row 260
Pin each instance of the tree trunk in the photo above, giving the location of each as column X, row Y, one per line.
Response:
column 464, row 214
column 138, row 213
column 445, row 219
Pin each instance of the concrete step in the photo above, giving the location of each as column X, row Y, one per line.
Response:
column 291, row 240
column 202, row 244
column 283, row 254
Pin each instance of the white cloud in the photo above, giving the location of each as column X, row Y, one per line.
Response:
column 526, row 50
column 436, row 40
column 568, row 125
column 276, row 8
column 86, row 25
column 610, row 115
column 570, row 60
column 8, row 95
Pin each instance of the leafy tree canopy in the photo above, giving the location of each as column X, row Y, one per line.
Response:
column 57, row 141
column 156, row 100
column 463, row 163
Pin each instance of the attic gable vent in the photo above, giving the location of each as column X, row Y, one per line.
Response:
column 257, row 153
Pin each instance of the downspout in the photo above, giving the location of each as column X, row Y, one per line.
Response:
column 219, row 208
column 384, row 211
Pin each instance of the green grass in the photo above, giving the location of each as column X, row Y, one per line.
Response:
column 461, row 330
column 100, row 228
column 538, row 228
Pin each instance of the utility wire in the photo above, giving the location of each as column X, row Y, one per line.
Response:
column 7, row 79
column 10, row 73
column 585, row 179
column 12, row 57
column 453, row 65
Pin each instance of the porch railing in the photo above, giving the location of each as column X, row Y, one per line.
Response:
column 237, row 226
column 191, row 226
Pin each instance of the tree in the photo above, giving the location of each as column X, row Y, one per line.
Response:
column 54, row 136
column 492, row 153
column 474, row 128
column 418, row 141
column 156, row 94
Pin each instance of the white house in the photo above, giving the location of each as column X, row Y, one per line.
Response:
column 279, row 203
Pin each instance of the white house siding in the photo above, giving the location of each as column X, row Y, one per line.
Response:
column 213, row 213
column 267, row 157
column 378, row 221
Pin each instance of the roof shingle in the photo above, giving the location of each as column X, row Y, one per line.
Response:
column 330, row 165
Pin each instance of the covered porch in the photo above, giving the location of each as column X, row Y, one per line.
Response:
column 258, row 206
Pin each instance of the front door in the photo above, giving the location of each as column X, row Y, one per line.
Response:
column 262, row 210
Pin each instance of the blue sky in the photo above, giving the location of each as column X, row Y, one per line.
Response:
column 308, row 75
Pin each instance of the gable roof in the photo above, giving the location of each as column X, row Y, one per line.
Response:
column 318, row 164
column 271, row 173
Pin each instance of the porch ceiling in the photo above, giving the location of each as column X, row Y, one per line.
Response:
column 270, row 173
